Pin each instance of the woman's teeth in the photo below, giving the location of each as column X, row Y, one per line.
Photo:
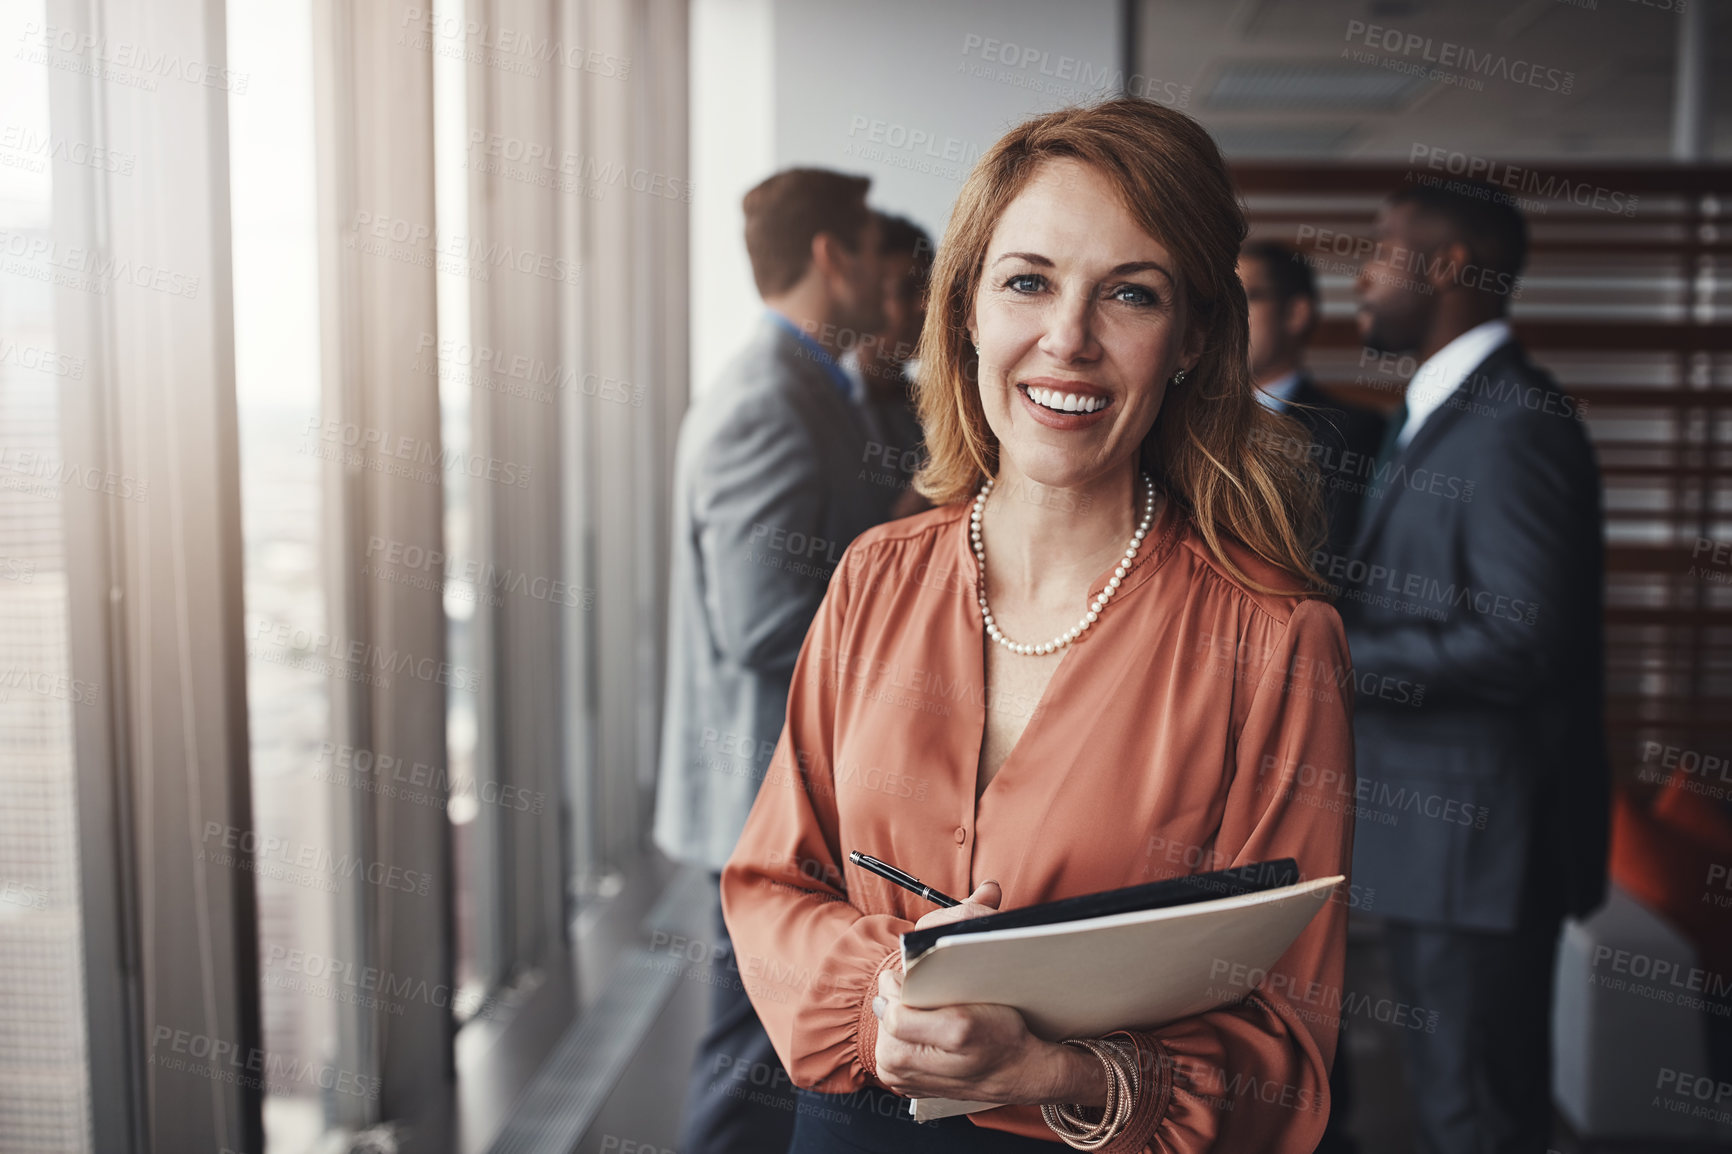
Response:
column 1065, row 402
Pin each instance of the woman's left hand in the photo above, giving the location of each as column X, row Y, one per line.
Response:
column 979, row 1052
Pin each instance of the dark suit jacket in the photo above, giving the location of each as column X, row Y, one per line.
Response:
column 1473, row 613
column 1346, row 436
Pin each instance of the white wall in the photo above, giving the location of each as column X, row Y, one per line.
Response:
column 907, row 92
column 733, row 147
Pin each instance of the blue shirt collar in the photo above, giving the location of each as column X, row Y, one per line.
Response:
column 1279, row 391
column 818, row 353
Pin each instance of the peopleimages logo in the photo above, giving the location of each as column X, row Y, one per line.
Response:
column 40, row 257
column 1447, row 54
column 1056, row 74
column 535, row 163
column 1382, row 259
column 403, row 455
column 420, row 781
column 1522, row 181
column 41, row 360
column 498, row 45
column 52, row 472
column 1374, row 800
column 343, row 980
column 221, row 1060
column 411, row 242
column 232, row 845
column 33, row 150
column 1697, row 1095
column 918, row 149
column 1335, row 1001
column 1359, row 580
column 302, row 647
column 44, row 684
column 135, row 65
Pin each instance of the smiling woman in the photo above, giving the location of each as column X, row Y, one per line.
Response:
column 1093, row 428
column 1112, row 232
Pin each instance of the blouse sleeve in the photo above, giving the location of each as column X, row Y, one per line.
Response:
column 1255, row 1075
column 808, row 959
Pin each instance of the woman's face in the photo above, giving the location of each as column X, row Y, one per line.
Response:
column 1080, row 318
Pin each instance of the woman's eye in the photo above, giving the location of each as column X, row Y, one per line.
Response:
column 1133, row 294
column 1026, row 282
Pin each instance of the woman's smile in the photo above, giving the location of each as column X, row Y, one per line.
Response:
column 1064, row 405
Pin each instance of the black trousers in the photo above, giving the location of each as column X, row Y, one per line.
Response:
column 740, row 1100
column 875, row 1121
column 1481, row 1081
column 1336, row 1139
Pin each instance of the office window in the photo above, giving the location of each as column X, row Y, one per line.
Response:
column 299, row 774
column 467, row 593
column 45, row 1103
column 329, row 660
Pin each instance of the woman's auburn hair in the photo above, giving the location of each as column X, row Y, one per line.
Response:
column 1234, row 466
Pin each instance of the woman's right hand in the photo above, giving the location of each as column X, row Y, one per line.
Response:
column 976, row 1052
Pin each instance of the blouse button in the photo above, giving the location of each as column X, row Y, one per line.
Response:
column 961, row 835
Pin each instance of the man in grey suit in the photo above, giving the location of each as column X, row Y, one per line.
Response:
column 767, row 495
column 1473, row 610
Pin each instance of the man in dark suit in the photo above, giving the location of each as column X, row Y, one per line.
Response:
column 1281, row 294
column 767, row 495
column 1473, row 611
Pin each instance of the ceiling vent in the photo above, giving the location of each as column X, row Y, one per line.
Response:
column 1310, row 86
column 1275, row 140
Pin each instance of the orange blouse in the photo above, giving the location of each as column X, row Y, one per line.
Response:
column 1198, row 725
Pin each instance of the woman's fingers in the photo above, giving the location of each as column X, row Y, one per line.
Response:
column 984, row 900
column 988, row 893
column 943, row 1028
column 889, row 990
column 963, row 1051
column 952, row 1030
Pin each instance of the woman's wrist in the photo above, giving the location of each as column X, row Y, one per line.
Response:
column 1080, row 1079
column 1083, row 1126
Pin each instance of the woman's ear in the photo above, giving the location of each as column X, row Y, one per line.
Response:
column 1193, row 348
column 1299, row 317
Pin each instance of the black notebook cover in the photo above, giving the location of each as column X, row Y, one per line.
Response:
column 1250, row 879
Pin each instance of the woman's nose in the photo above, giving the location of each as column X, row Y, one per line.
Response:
column 1069, row 332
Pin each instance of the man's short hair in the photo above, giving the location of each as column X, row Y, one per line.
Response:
column 1288, row 271
column 784, row 213
column 899, row 236
column 1480, row 216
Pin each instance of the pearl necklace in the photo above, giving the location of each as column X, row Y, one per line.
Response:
column 1100, row 602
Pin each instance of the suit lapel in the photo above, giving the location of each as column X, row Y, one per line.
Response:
column 1436, row 427
column 1318, row 405
column 1306, row 392
column 815, row 377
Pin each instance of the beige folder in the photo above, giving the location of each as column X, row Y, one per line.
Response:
column 1123, row 971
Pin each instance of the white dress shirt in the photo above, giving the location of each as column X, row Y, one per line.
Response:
column 1440, row 376
column 850, row 364
column 1279, row 391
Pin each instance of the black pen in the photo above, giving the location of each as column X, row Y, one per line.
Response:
column 906, row 881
